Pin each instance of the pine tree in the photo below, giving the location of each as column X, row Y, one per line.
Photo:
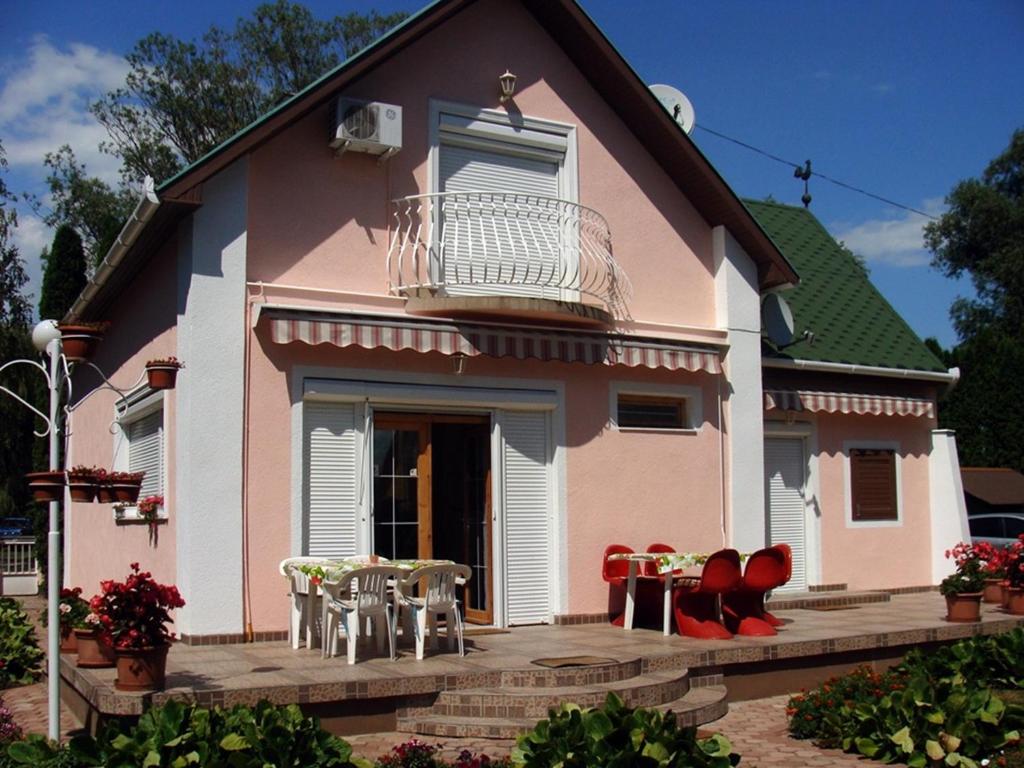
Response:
column 64, row 276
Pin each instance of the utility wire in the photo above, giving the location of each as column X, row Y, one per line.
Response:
column 819, row 174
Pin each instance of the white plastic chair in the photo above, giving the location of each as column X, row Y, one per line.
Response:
column 438, row 597
column 302, row 624
column 370, row 600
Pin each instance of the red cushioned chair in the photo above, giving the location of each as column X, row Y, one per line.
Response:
column 743, row 609
column 696, row 607
column 649, row 592
column 787, row 553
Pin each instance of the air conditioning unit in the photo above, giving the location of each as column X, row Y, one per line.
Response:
column 367, row 126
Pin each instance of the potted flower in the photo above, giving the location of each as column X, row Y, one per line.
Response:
column 71, row 612
column 46, row 486
column 993, row 564
column 1015, row 577
column 125, row 486
column 963, row 588
column 94, row 650
column 133, row 615
column 82, row 483
column 79, row 340
column 104, row 488
column 163, row 373
column 149, row 508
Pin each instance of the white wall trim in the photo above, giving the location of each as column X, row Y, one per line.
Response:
column 883, row 445
column 694, row 397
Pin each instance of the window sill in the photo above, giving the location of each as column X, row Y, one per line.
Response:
column 659, row 430
column 129, row 515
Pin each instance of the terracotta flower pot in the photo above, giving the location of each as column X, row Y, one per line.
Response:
column 126, row 493
column 993, row 592
column 105, row 493
column 79, row 342
column 68, row 641
column 82, row 490
column 161, row 376
column 965, row 606
column 1015, row 600
column 46, row 486
column 141, row 669
column 1004, row 588
column 92, row 653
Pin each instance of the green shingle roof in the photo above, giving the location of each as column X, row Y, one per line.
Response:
column 851, row 321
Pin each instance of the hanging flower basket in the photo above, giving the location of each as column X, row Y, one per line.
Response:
column 82, row 483
column 104, row 490
column 125, row 486
column 46, row 486
column 162, row 374
column 79, row 340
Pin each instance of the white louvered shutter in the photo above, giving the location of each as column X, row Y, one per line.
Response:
column 528, row 507
column 146, row 452
column 511, row 240
column 784, row 472
column 331, row 483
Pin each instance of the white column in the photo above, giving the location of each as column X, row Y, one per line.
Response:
column 738, row 311
column 208, row 457
column 946, row 502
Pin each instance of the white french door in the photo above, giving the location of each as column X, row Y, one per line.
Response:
column 785, row 467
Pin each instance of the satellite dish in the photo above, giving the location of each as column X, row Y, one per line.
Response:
column 777, row 319
column 677, row 105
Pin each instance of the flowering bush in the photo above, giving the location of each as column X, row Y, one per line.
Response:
column 9, row 730
column 820, row 714
column 969, row 575
column 1015, row 563
column 149, row 506
column 133, row 613
column 417, row 754
column 73, row 611
column 993, row 559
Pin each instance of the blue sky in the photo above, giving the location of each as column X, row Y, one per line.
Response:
column 903, row 99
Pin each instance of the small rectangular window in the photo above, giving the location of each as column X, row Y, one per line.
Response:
column 873, row 485
column 649, row 412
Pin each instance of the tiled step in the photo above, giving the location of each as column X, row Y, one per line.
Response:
column 697, row 706
column 509, row 702
column 789, row 601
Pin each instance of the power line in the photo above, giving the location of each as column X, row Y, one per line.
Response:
column 819, row 174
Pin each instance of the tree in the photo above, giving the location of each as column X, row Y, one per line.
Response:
column 16, row 437
column 982, row 235
column 183, row 98
column 63, row 275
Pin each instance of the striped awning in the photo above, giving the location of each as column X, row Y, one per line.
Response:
column 493, row 341
column 840, row 402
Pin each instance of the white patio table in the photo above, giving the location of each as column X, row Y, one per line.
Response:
column 668, row 562
column 320, row 570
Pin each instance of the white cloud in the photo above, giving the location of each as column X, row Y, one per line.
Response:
column 31, row 236
column 44, row 103
column 898, row 242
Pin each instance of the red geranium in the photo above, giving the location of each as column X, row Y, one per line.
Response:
column 134, row 613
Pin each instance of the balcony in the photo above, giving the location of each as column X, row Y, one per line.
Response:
column 505, row 254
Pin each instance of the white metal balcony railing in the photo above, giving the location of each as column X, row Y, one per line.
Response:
column 504, row 244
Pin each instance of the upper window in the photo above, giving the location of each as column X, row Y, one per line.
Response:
column 645, row 412
column 505, row 205
column 873, row 485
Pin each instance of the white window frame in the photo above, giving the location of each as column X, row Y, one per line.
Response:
column 872, row 445
column 692, row 395
column 141, row 403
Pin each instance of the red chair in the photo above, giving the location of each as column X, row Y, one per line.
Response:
column 696, row 607
column 787, row 553
column 743, row 609
column 651, row 567
column 616, row 573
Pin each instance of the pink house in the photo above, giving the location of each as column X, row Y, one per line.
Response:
column 419, row 319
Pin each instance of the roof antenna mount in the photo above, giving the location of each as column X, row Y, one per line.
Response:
column 805, row 174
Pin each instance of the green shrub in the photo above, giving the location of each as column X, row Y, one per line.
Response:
column 615, row 735
column 20, row 654
column 934, row 706
column 178, row 735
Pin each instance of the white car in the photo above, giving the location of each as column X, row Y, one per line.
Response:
column 998, row 530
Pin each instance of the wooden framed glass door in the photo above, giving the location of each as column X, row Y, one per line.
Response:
column 432, row 496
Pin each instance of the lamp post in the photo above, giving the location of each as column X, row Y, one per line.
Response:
column 47, row 338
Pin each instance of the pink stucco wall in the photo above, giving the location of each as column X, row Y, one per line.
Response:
column 318, row 220
column 868, row 557
column 666, row 487
column 142, row 328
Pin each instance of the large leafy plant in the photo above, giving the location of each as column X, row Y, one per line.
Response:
column 134, row 613
column 615, row 735
column 20, row 654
